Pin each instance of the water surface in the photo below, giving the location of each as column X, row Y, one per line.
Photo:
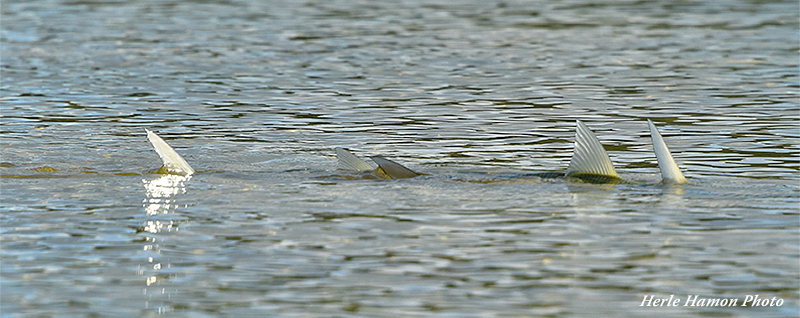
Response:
column 475, row 94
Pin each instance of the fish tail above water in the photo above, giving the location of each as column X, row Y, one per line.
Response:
column 393, row 169
column 173, row 162
column 387, row 169
column 670, row 173
column 348, row 161
column 589, row 157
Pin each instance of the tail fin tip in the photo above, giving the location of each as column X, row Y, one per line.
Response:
column 393, row 169
column 173, row 162
column 348, row 161
column 589, row 156
column 670, row 173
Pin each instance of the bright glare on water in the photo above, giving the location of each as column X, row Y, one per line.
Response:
column 478, row 95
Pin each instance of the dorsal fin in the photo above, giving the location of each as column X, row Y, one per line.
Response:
column 348, row 161
column 670, row 173
column 393, row 169
column 589, row 157
column 173, row 162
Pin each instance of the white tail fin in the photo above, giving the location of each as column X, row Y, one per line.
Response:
column 670, row 173
column 173, row 162
column 589, row 157
column 393, row 169
column 348, row 161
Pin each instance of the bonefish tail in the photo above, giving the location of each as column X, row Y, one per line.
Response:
column 670, row 173
column 589, row 156
column 348, row 161
column 393, row 169
column 173, row 162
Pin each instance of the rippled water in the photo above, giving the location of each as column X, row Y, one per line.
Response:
column 477, row 94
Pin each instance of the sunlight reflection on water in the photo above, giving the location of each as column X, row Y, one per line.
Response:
column 161, row 194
